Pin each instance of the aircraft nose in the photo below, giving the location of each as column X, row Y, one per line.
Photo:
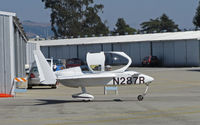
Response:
column 148, row 79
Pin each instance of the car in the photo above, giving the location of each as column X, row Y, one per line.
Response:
column 33, row 77
column 150, row 61
column 73, row 62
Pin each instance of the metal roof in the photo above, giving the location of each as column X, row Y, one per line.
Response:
column 16, row 22
column 169, row 36
column 7, row 13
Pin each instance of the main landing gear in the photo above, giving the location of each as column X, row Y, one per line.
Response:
column 84, row 96
column 141, row 97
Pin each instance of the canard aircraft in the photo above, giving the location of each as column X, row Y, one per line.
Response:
column 100, row 73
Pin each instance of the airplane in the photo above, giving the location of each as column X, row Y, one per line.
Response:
column 99, row 74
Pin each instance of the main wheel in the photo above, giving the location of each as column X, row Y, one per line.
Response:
column 140, row 98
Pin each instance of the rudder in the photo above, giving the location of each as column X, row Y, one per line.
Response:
column 46, row 75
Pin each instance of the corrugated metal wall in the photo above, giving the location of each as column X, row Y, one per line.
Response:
column 170, row 53
column 83, row 49
column 12, row 53
column 158, row 50
column 5, row 72
column 20, row 54
column 177, row 53
column 180, row 53
column 193, row 53
column 59, row 52
column 29, row 53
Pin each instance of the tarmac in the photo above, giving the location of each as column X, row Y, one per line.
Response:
column 173, row 99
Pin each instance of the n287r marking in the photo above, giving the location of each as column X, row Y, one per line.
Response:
column 127, row 80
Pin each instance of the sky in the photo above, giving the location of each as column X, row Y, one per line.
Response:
column 133, row 11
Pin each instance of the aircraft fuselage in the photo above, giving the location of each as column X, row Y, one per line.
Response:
column 125, row 78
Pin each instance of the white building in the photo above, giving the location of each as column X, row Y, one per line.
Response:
column 172, row 48
column 12, row 51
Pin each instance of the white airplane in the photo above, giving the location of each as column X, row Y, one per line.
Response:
column 99, row 74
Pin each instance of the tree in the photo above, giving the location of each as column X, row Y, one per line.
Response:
column 151, row 26
column 123, row 28
column 92, row 23
column 196, row 19
column 75, row 17
column 167, row 24
column 160, row 24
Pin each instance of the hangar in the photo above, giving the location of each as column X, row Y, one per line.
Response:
column 12, row 51
column 172, row 48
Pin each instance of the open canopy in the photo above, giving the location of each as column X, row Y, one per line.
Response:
column 108, row 61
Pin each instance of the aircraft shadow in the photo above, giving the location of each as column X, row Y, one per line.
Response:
column 51, row 102
column 39, row 89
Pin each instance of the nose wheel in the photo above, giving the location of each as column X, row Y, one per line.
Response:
column 141, row 97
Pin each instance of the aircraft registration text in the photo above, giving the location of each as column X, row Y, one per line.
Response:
column 128, row 80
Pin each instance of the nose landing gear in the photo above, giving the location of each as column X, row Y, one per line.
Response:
column 141, row 97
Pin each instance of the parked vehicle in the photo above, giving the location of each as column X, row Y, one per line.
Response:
column 33, row 78
column 74, row 62
column 150, row 61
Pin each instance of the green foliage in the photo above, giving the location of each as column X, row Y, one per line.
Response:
column 196, row 19
column 75, row 17
column 123, row 28
column 159, row 24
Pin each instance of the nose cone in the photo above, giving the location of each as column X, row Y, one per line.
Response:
column 147, row 79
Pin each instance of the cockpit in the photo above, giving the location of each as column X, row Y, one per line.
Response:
column 108, row 61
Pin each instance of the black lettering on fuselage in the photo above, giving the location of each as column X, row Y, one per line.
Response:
column 135, row 79
column 122, row 81
column 115, row 82
column 141, row 80
column 127, row 80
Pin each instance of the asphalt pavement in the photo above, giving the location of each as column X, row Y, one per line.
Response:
column 173, row 99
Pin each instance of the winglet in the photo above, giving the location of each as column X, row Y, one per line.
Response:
column 46, row 75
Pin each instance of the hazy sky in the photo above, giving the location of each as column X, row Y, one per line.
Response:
column 134, row 11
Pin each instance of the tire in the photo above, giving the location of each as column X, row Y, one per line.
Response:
column 30, row 87
column 53, row 86
column 140, row 98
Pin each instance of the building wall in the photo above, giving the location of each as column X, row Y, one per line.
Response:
column 20, row 53
column 60, row 52
column 177, row 53
column 45, row 51
column 12, row 53
column 193, row 53
column 170, row 53
column 5, row 63
column 29, row 53
column 83, row 49
column 158, row 50
column 180, row 53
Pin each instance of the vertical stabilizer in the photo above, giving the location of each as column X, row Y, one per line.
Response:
column 46, row 75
